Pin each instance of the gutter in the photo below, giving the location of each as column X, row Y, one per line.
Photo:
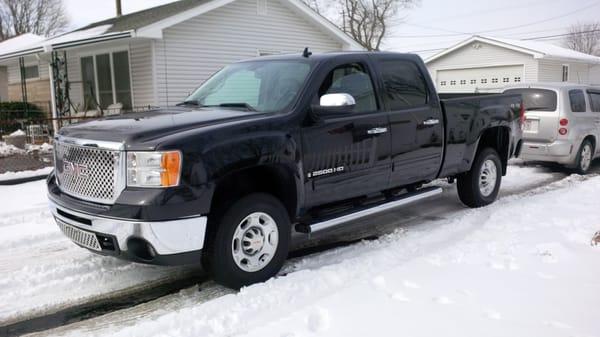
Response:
column 69, row 44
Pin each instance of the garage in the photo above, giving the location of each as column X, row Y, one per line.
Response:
column 478, row 79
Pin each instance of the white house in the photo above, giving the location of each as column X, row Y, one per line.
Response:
column 159, row 55
column 20, row 42
column 485, row 64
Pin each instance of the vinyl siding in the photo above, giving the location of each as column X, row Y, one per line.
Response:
column 551, row 71
column 141, row 72
column 14, row 72
column 193, row 50
column 486, row 55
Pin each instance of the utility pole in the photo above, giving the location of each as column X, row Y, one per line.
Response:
column 119, row 11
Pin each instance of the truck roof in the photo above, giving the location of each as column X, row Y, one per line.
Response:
column 318, row 57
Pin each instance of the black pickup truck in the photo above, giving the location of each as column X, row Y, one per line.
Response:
column 274, row 151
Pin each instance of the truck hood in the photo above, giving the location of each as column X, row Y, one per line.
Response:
column 144, row 129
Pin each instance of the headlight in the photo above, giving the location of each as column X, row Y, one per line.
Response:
column 153, row 169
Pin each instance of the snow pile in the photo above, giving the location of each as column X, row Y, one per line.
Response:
column 18, row 133
column 8, row 150
column 44, row 148
column 523, row 266
column 10, row 175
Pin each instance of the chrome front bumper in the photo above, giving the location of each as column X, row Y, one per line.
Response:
column 559, row 151
column 165, row 237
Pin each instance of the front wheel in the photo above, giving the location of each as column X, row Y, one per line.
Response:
column 480, row 186
column 250, row 243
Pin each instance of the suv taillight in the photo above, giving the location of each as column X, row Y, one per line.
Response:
column 564, row 122
column 522, row 113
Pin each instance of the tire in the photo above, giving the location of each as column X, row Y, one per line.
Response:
column 250, row 242
column 471, row 192
column 584, row 158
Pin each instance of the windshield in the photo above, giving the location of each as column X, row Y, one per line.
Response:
column 536, row 99
column 263, row 86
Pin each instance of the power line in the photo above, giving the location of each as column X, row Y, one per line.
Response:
column 498, row 29
column 561, row 35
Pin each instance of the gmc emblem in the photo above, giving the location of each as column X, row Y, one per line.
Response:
column 77, row 170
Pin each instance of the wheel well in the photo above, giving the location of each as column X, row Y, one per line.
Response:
column 498, row 138
column 276, row 180
column 592, row 139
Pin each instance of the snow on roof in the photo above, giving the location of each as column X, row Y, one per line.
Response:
column 21, row 42
column 549, row 50
column 78, row 35
column 534, row 48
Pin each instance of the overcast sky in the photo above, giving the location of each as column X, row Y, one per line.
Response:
column 434, row 24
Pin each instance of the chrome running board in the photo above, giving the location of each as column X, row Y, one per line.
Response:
column 403, row 200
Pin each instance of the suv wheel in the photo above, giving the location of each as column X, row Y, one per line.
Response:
column 583, row 162
column 250, row 243
column 480, row 186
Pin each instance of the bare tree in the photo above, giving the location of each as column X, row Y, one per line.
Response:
column 367, row 21
column 41, row 17
column 585, row 38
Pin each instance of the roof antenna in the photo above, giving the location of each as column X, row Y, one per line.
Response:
column 306, row 52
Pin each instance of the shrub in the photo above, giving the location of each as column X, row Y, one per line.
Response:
column 17, row 110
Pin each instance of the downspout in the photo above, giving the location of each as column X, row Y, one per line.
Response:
column 53, row 99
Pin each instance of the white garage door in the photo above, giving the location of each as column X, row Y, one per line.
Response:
column 478, row 79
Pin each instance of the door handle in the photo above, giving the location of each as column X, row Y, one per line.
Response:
column 376, row 131
column 431, row 121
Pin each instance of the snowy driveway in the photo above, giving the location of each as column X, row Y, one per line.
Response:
column 523, row 267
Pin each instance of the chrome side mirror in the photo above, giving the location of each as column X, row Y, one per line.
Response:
column 337, row 100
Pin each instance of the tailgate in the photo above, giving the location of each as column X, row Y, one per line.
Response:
column 541, row 113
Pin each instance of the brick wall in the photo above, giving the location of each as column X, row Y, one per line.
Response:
column 38, row 92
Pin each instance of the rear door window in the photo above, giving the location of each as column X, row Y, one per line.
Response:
column 595, row 101
column 536, row 99
column 577, row 100
column 404, row 84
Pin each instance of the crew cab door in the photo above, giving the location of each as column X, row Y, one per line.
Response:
column 416, row 120
column 346, row 154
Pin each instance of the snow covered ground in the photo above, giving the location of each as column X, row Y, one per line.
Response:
column 10, row 175
column 523, row 266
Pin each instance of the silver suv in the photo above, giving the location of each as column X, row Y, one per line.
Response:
column 562, row 123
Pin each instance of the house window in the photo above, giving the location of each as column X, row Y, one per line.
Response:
column 452, row 82
column 494, row 80
column 505, row 80
column 565, row 73
column 483, row 80
column 106, row 80
column 473, row 82
column 463, row 82
column 443, row 83
column 31, row 72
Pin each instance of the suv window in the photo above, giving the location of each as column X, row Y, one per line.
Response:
column 352, row 79
column 577, row 100
column 536, row 99
column 404, row 84
column 595, row 101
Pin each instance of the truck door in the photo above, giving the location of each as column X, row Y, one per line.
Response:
column 346, row 154
column 415, row 119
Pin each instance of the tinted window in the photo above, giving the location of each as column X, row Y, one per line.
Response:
column 352, row 79
column 536, row 99
column 404, row 84
column 577, row 100
column 595, row 101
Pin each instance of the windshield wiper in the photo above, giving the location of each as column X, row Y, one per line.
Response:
column 194, row 103
column 238, row 105
column 539, row 108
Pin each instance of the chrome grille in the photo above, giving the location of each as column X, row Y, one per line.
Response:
column 87, row 172
column 79, row 236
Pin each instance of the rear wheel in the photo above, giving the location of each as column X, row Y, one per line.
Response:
column 250, row 243
column 583, row 161
column 480, row 186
